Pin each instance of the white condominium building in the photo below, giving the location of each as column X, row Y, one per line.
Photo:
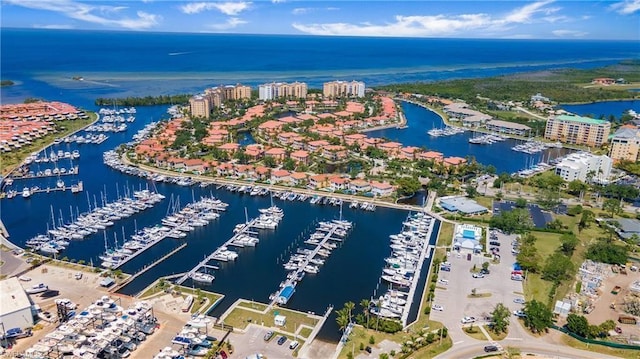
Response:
column 275, row 90
column 583, row 166
column 343, row 89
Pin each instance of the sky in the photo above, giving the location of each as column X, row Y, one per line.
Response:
column 546, row 19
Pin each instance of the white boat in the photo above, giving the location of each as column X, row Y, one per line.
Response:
column 202, row 277
column 38, row 288
column 26, row 192
column 188, row 301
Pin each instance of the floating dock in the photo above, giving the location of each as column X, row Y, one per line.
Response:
column 322, row 247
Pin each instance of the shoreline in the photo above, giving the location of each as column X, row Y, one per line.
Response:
column 50, row 144
column 600, row 101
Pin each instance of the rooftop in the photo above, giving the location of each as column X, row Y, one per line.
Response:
column 14, row 298
column 586, row 120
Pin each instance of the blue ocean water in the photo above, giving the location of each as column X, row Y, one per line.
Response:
column 115, row 64
column 133, row 63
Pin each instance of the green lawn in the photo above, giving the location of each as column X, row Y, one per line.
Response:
column 305, row 332
column 252, row 305
column 445, row 237
column 240, row 318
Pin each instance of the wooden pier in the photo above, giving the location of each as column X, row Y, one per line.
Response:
column 215, row 256
column 147, row 267
column 292, row 279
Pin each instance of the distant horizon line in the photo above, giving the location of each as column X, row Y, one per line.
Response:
column 311, row 35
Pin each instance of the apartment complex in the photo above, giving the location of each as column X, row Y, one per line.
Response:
column 577, row 130
column 199, row 106
column 625, row 144
column 335, row 89
column 275, row 90
column 202, row 104
column 583, row 166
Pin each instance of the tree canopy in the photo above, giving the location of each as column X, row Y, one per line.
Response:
column 517, row 220
column 538, row 316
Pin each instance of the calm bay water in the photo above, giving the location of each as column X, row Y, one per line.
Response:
column 138, row 64
column 604, row 109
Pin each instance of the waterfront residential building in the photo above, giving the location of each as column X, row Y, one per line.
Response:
column 15, row 312
column 199, row 106
column 577, row 130
column 585, row 167
column 276, row 90
column 381, row 189
column 218, row 95
column 511, row 128
column 625, row 144
column 335, row 89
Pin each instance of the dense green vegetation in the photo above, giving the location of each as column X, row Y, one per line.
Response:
column 4, row 83
column 579, row 325
column 144, row 101
column 559, row 85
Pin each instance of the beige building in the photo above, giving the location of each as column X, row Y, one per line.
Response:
column 215, row 96
column 625, row 144
column 199, row 106
column 335, row 89
column 275, row 90
column 577, row 130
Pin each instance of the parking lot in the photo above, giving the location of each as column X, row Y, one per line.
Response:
column 454, row 287
column 253, row 342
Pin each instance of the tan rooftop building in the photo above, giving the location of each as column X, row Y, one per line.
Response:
column 577, row 130
column 335, row 89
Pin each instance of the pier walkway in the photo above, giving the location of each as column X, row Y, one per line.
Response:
column 216, row 255
column 314, row 333
column 147, row 267
column 295, row 276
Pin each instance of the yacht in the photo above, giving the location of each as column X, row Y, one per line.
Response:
column 202, row 277
column 26, row 192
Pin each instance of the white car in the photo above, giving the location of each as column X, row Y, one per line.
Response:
column 467, row 320
column 519, row 313
column 24, row 278
column 477, row 275
column 519, row 300
column 437, row 307
column 443, row 281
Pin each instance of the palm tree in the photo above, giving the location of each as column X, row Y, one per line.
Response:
column 365, row 308
column 342, row 318
column 349, row 306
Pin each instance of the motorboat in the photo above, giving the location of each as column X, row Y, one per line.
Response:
column 38, row 288
column 202, row 277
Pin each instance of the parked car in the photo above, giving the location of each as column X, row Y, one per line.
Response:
column 282, row 339
column 268, row 336
column 78, row 275
column 294, row 344
column 618, row 330
column 495, row 243
column 443, row 281
column 467, row 320
column 484, row 271
column 437, row 307
column 519, row 300
column 477, row 275
column 368, row 349
column 490, row 348
column 519, row 313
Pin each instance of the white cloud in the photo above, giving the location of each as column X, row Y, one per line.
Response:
column 569, row 33
column 231, row 23
column 53, row 26
column 278, row 1
column 102, row 15
column 438, row 25
column 227, row 8
column 626, row 7
column 301, row 10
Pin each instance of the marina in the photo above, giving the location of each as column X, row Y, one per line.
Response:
column 27, row 192
column 487, row 139
column 243, row 236
column 175, row 225
column 308, row 260
column 403, row 269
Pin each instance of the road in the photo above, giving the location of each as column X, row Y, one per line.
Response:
column 474, row 348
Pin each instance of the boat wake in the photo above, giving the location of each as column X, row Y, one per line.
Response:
column 179, row 53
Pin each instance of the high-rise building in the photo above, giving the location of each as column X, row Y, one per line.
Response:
column 199, row 106
column 275, row 90
column 343, row 89
column 218, row 95
column 577, row 130
column 625, row 144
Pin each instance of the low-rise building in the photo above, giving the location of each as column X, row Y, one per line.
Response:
column 511, row 128
column 15, row 310
column 585, row 167
column 381, row 189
